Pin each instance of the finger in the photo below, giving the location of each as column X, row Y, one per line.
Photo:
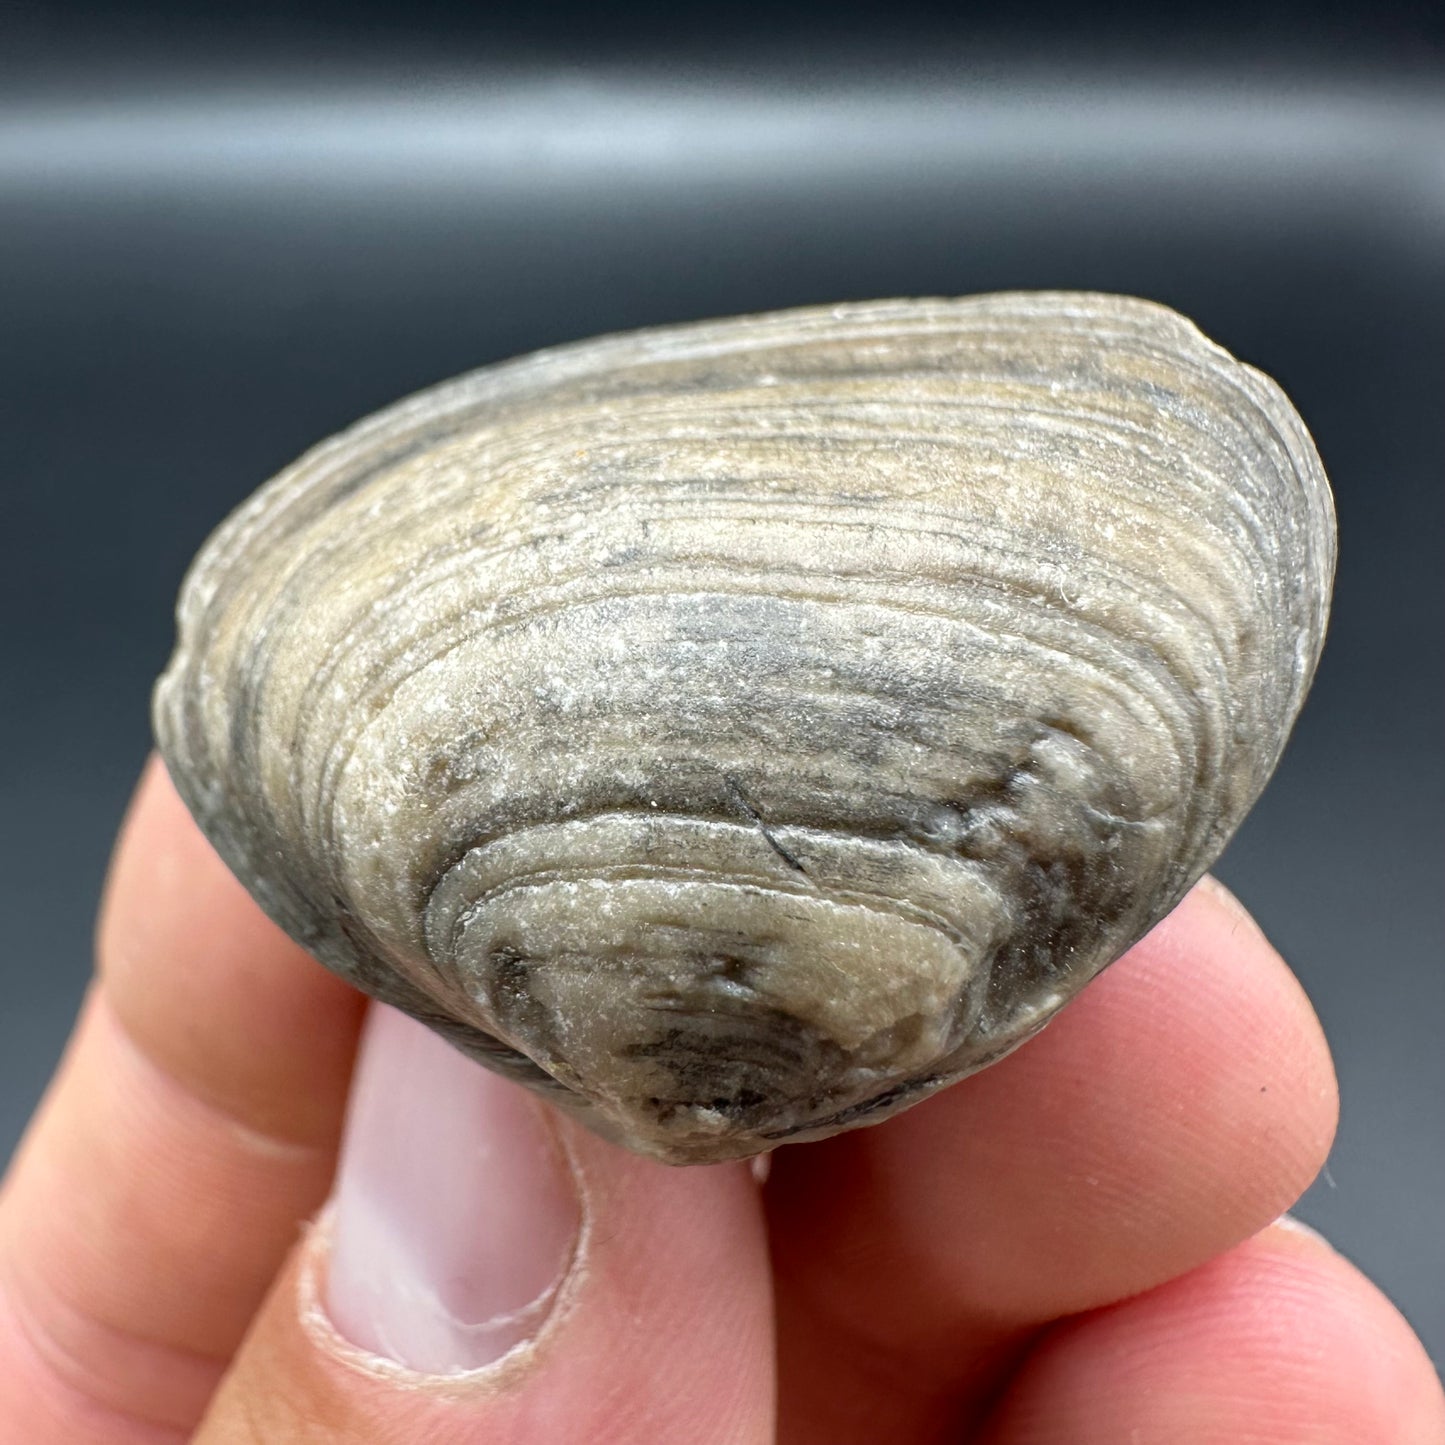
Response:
column 191, row 1127
column 1279, row 1341
column 489, row 1272
column 1180, row 1103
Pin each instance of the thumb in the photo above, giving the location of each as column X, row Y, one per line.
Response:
column 487, row 1270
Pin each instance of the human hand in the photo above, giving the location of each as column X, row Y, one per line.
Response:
column 1079, row 1245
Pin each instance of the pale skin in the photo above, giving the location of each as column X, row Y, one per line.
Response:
column 1080, row 1245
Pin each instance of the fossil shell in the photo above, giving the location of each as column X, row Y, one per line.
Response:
column 740, row 730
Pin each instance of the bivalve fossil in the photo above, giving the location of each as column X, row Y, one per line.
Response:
column 740, row 730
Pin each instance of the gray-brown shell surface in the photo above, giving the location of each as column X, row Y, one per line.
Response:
column 740, row 730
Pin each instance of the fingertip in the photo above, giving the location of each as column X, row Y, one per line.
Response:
column 429, row 1304
column 1183, row 1100
column 1279, row 1340
column 1174, row 1108
column 1297, row 1040
column 1204, row 1024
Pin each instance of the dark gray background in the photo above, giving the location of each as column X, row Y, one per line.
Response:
column 216, row 246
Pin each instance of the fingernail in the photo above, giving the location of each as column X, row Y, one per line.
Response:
column 1228, row 901
column 1295, row 1225
column 455, row 1212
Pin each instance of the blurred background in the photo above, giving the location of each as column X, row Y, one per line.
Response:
column 225, row 234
